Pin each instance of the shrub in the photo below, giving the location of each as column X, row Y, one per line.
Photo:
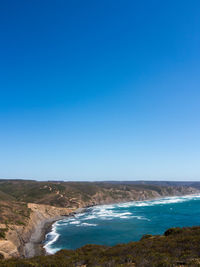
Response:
column 173, row 231
column 3, row 233
column 146, row 236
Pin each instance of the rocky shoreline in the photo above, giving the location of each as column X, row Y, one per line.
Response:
column 25, row 240
column 35, row 245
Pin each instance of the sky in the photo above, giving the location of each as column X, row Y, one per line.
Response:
column 100, row 90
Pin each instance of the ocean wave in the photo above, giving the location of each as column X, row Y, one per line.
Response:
column 161, row 201
column 87, row 224
column 107, row 207
column 89, row 217
column 107, row 213
column 103, row 213
column 52, row 237
column 75, row 222
column 78, row 215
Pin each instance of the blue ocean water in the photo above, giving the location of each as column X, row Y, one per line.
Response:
column 121, row 223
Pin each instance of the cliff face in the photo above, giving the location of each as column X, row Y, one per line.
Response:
column 19, row 239
column 110, row 195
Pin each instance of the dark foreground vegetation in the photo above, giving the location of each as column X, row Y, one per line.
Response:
column 177, row 247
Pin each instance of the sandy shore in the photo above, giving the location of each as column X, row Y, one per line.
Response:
column 35, row 245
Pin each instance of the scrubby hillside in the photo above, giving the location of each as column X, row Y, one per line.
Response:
column 177, row 247
column 78, row 194
column 12, row 212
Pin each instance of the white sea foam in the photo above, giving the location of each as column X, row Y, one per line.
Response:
column 87, row 224
column 90, row 217
column 78, row 215
column 75, row 222
column 161, row 201
column 67, row 223
column 53, row 237
column 107, row 213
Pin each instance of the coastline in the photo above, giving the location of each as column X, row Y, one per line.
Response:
column 35, row 246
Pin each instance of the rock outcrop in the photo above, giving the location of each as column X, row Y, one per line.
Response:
column 20, row 239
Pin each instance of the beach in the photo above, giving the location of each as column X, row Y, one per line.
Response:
column 34, row 247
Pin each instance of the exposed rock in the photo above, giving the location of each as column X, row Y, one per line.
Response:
column 20, row 239
column 8, row 249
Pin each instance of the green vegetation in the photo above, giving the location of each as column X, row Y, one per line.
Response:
column 3, row 233
column 177, row 247
column 12, row 213
column 71, row 194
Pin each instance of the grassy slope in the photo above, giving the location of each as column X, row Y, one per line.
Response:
column 177, row 247
column 11, row 212
column 68, row 194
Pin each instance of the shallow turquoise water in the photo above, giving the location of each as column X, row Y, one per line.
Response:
column 121, row 223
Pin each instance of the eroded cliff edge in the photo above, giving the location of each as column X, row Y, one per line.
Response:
column 19, row 239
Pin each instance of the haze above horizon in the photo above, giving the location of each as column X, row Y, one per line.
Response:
column 100, row 90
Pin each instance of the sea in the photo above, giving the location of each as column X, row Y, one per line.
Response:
column 122, row 223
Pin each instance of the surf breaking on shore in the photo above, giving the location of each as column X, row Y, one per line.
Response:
column 120, row 211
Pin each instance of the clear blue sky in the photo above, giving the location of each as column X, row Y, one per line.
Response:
column 98, row 90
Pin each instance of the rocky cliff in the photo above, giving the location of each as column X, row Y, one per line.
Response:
column 20, row 240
